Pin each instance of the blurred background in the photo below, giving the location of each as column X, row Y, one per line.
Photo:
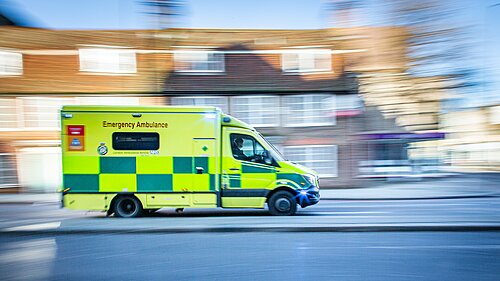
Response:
column 362, row 91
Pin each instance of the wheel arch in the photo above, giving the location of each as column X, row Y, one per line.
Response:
column 112, row 204
column 281, row 188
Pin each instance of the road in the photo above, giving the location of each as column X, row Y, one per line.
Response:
column 247, row 254
column 472, row 211
column 254, row 256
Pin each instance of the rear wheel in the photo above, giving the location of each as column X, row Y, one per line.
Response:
column 282, row 203
column 127, row 207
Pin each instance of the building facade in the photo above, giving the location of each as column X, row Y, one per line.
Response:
column 301, row 89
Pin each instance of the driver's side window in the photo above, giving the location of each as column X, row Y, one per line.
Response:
column 246, row 148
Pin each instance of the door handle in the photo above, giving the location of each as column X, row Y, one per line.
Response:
column 199, row 170
column 234, row 169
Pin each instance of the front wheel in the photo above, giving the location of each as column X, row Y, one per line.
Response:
column 282, row 203
column 127, row 207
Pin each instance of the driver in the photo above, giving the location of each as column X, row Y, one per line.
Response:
column 237, row 149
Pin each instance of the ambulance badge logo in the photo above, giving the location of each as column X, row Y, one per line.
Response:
column 102, row 149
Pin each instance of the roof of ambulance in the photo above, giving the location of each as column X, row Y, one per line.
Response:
column 156, row 109
column 233, row 122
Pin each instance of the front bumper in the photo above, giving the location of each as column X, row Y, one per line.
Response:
column 308, row 197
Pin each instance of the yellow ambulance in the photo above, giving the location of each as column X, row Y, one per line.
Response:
column 130, row 161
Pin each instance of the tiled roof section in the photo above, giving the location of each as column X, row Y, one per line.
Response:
column 257, row 72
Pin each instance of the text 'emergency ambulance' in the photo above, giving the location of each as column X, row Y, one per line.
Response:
column 133, row 125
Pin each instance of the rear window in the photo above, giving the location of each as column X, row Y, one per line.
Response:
column 136, row 141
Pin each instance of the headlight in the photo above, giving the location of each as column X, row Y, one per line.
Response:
column 310, row 178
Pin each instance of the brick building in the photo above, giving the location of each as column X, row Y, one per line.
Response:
column 299, row 88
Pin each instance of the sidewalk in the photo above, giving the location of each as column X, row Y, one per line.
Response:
column 464, row 186
column 446, row 188
column 30, row 198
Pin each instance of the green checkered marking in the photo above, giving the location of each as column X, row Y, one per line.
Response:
column 201, row 162
column 212, row 182
column 153, row 183
column 117, row 165
column 147, row 180
column 256, row 169
column 234, row 181
column 81, row 183
column 183, row 165
column 296, row 178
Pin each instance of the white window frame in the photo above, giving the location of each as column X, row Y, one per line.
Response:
column 15, row 115
column 309, row 108
column 259, row 109
column 108, row 100
column 306, row 61
column 94, row 56
column 8, row 171
column 348, row 102
column 225, row 98
column 308, row 156
column 19, row 105
column 11, row 60
column 178, row 57
column 39, row 113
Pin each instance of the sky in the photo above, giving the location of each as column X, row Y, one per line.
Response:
column 129, row 14
column 271, row 14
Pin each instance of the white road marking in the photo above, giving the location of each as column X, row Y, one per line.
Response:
column 346, row 213
column 473, row 247
column 437, row 247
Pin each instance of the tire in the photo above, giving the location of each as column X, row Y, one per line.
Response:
column 282, row 203
column 128, row 207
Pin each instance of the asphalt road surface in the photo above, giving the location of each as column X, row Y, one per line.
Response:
column 250, row 255
column 473, row 211
column 254, row 256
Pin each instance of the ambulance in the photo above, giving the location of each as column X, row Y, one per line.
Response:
column 132, row 161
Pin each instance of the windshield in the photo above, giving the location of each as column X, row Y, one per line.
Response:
column 274, row 152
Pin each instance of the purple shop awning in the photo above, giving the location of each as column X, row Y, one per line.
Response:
column 405, row 136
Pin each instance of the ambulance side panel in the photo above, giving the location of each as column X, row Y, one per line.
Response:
column 108, row 153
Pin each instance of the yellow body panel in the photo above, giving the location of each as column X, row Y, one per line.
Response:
column 117, row 183
column 243, row 202
column 92, row 202
column 154, row 165
column 254, row 180
column 182, row 182
column 168, row 200
column 81, row 164
column 204, row 199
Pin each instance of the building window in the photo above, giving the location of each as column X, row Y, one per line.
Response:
column 220, row 102
column 199, row 62
column 8, row 171
column 103, row 60
column 11, row 63
column 8, row 114
column 136, row 141
column 309, row 110
column 43, row 113
column 348, row 105
column 99, row 100
column 307, row 61
column 258, row 111
column 320, row 158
